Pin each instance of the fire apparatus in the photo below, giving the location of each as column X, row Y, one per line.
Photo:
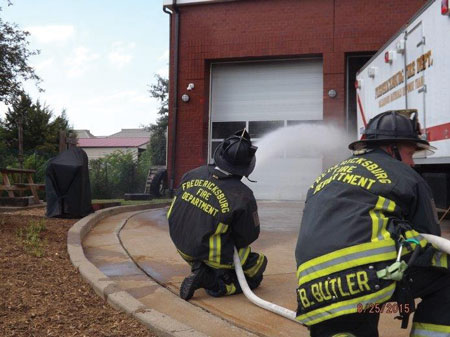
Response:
column 412, row 71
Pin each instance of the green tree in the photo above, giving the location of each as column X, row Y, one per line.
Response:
column 40, row 130
column 121, row 172
column 4, row 152
column 14, row 61
column 157, row 146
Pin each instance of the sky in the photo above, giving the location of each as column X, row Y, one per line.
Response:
column 97, row 58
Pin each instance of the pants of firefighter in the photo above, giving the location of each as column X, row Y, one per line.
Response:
column 431, row 319
column 226, row 280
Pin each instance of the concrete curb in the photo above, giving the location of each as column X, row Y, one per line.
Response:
column 162, row 324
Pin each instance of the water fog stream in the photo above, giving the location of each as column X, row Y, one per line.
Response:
column 289, row 159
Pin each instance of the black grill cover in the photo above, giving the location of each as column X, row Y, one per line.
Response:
column 67, row 185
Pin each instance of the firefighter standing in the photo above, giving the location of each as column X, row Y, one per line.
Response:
column 359, row 216
column 212, row 212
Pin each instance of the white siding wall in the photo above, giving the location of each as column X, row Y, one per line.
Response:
column 264, row 96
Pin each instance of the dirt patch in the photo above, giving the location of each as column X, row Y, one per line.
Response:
column 46, row 296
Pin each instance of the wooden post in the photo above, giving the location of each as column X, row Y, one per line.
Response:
column 20, row 136
column 6, row 182
column 62, row 141
column 20, row 157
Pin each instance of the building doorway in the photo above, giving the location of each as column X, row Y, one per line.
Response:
column 354, row 62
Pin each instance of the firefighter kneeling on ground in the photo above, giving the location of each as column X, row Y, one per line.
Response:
column 359, row 252
column 212, row 212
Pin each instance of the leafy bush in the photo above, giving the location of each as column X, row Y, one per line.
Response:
column 37, row 161
column 98, row 176
column 117, row 174
column 143, row 165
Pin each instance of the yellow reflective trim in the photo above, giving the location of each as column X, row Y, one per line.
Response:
column 347, row 251
column 219, row 247
column 377, row 216
column 414, row 234
column 434, row 261
column 216, row 265
column 243, row 254
column 224, row 229
column 374, row 218
column 185, row 256
column 342, row 252
column 171, row 205
column 439, row 259
column 352, row 302
column 391, row 207
column 211, row 248
column 231, row 288
column 347, row 265
column 429, row 327
column 213, row 252
column 215, row 243
column 444, row 260
column 254, row 270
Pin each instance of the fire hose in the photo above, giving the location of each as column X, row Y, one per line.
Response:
column 255, row 299
column 440, row 243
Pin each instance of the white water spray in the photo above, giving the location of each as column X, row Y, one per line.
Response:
column 304, row 140
column 289, row 159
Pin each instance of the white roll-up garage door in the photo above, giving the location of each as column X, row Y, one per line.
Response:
column 264, row 96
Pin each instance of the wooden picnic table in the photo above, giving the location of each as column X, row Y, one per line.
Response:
column 10, row 184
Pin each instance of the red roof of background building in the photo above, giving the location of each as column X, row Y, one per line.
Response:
column 112, row 142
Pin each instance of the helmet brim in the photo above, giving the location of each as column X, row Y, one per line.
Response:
column 421, row 144
column 426, row 149
column 240, row 170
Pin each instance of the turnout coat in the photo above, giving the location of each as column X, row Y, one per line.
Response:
column 355, row 214
column 210, row 214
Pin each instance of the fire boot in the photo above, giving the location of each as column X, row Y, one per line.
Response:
column 227, row 284
column 201, row 277
column 255, row 281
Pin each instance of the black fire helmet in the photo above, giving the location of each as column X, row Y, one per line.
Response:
column 236, row 154
column 394, row 126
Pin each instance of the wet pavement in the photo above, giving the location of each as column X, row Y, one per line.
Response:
column 148, row 267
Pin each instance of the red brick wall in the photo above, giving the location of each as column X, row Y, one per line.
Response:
column 261, row 29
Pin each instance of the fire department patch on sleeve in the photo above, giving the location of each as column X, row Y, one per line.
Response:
column 256, row 218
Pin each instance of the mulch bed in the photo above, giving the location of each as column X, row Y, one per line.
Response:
column 46, row 296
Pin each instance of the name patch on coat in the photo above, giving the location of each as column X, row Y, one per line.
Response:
column 337, row 287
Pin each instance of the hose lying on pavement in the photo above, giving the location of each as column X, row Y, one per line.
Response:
column 255, row 299
column 439, row 242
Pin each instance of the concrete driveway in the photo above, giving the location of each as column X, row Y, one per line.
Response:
column 145, row 264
